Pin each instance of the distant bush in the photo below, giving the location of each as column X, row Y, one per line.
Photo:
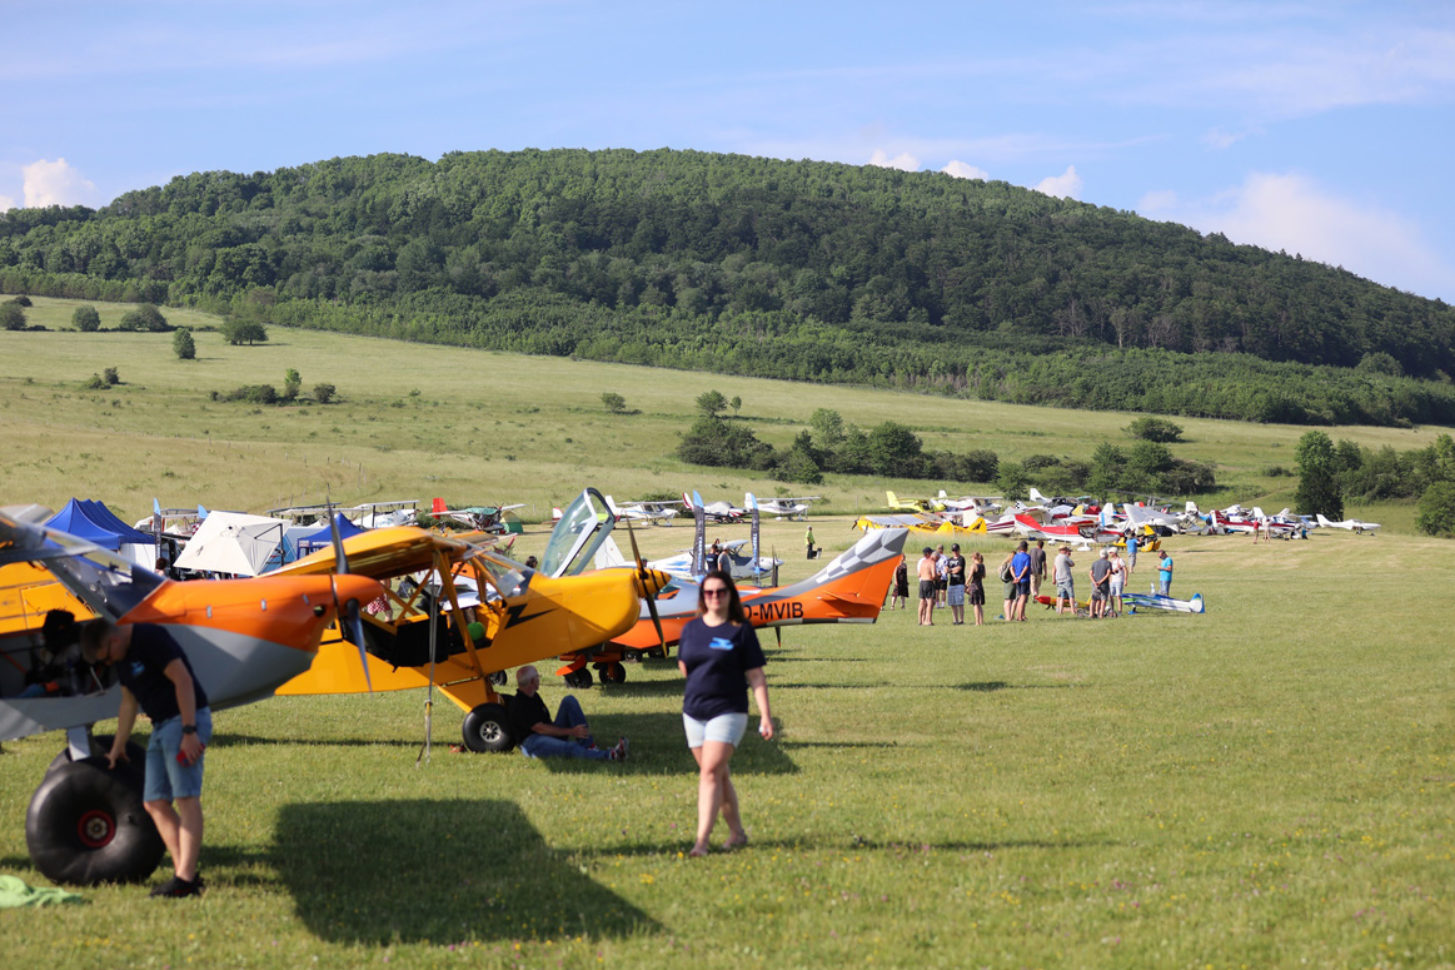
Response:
column 145, row 318
column 324, row 393
column 237, row 332
column 183, row 345
column 21, row 300
column 96, row 383
column 1155, row 429
column 86, row 319
column 12, row 316
column 613, row 402
column 1437, row 510
column 111, row 376
column 253, row 393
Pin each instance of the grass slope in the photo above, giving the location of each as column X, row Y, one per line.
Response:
column 1266, row 785
column 478, row 427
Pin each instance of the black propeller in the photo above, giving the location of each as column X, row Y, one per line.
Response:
column 642, row 575
column 350, row 622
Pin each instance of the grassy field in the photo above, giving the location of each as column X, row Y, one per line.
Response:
column 1270, row 784
column 479, row 427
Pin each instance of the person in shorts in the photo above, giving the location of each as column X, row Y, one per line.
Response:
column 1118, row 581
column 157, row 680
column 1065, row 581
column 720, row 656
column 1100, row 585
column 975, row 587
column 955, row 585
column 925, row 569
column 1020, row 570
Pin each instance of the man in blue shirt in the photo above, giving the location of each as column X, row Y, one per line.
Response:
column 1020, row 572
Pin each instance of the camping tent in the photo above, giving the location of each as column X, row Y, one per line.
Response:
column 95, row 523
column 236, row 543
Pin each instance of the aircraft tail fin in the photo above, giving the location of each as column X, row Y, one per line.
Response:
column 892, row 499
column 1323, row 521
column 438, row 506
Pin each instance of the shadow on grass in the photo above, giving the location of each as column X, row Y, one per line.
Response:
column 658, row 747
column 243, row 740
column 836, row 845
column 438, row 871
column 990, row 686
column 785, row 685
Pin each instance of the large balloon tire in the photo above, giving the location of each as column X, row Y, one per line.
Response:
column 133, row 768
column 86, row 825
column 487, row 729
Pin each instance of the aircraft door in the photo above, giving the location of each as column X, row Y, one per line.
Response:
column 584, row 526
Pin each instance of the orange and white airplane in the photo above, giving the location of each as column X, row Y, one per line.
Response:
column 850, row 589
column 243, row 639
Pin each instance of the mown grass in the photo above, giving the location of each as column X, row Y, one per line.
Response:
column 480, row 427
column 1266, row 785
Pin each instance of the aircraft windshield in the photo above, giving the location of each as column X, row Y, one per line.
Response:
column 505, row 574
column 107, row 583
column 584, row 526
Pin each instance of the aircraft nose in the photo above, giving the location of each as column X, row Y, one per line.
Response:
column 354, row 587
column 650, row 582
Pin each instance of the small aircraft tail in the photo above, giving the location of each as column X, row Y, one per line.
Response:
column 892, row 499
column 1038, row 498
column 1325, row 523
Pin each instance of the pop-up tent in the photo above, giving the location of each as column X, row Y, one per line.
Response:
column 324, row 537
column 95, row 523
column 235, row 543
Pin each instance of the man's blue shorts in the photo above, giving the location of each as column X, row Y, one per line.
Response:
column 166, row 779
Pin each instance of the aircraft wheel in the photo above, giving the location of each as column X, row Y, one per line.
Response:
column 498, row 678
column 487, row 729
column 86, row 825
column 133, row 768
column 579, row 678
column 613, row 673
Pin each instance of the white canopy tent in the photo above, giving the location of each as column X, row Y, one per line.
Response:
column 236, row 543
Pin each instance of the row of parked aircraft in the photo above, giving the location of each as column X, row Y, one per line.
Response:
column 1082, row 519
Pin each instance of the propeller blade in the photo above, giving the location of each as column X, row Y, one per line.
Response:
column 778, row 632
column 350, row 623
column 651, row 596
column 657, row 623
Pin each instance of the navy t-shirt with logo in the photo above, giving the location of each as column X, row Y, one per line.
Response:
column 143, row 672
column 717, row 660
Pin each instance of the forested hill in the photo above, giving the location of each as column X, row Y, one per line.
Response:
column 805, row 270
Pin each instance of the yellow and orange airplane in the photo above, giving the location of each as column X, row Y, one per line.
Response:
column 243, row 638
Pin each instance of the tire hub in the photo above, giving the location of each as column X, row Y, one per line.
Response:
column 96, row 828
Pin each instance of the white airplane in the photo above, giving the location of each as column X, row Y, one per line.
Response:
column 788, row 508
column 719, row 512
column 652, row 513
column 1348, row 525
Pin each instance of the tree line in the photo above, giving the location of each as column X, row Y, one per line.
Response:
column 805, row 270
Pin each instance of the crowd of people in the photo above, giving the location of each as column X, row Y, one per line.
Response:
column 950, row 580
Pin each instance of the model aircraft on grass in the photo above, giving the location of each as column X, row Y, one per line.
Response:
column 1155, row 601
column 244, row 638
column 849, row 589
column 1348, row 525
column 456, row 615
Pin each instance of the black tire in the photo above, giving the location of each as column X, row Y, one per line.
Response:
column 613, row 673
column 133, row 768
column 579, row 678
column 86, row 825
column 487, row 729
column 498, row 678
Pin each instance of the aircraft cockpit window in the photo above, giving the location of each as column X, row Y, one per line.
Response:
column 584, row 526
column 108, row 584
column 506, row 575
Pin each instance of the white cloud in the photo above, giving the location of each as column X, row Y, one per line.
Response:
column 55, row 183
column 964, row 170
column 904, row 161
column 1067, row 185
column 6, row 203
column 1293, row 213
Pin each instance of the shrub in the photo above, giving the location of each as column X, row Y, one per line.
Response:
column 1155, row 429
column 145, row 318
column 111, row 376
column 1437, row 510
column 183, row 345
column 12, row 316
column 96, row 383
column 86, row 319
column 22, row 301
column 323, row 393
column 613, row 402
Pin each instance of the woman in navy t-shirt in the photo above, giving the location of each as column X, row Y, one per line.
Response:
column 720, row 657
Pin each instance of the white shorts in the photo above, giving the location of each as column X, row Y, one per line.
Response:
column 727, row 728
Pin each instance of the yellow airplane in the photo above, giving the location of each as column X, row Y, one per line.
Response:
column 458, row 615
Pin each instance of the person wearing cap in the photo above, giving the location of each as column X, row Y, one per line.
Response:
column 157, row 680
column 955, row 585
column 925, row 570
column 1100, row 584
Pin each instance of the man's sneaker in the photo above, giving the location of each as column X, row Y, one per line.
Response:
column 618, row 753
column 177, row 887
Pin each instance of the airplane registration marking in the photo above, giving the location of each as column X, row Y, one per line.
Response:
column 775, row 611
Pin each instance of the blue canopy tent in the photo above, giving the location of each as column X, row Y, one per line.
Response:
column 94, row 522
column 315, row 541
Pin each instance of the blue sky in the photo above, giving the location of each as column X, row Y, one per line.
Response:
column 1322, row 128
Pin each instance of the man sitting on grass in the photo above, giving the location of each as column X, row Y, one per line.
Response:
column 539, row 736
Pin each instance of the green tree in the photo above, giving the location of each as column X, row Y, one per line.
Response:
column 238, row 332
column 86, row 319
column 1155, row 429
column 828, row 428
column 895, row 450
column 711, row 403
column 1012, row 480
column 112, row 377
column 183, row 345
column 736, row 404
column 613, row 402
column 145, row 318
column 324, row 393
column 12, row 316
column 1436, row 514
column 1318, row 477
column 292, row 383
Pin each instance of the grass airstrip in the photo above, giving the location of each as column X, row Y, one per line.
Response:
column 1269, row 784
